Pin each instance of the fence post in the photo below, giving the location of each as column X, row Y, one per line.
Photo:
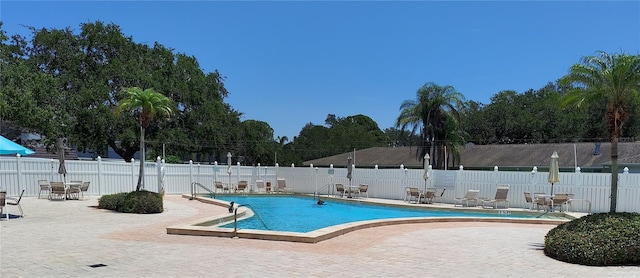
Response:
column 190, row 172
column 375, row 192
column 99, row 182
column 238, row 170
column 133, row 171
column 266, row 171
column 215, row 171
column 404, row 180
column 460, row 177
column 534, row 171
column 18, row 162
column 159, row 171
column 51, row 171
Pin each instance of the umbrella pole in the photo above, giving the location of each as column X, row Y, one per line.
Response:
column 551, row 208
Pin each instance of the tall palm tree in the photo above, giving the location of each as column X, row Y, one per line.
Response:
column 614, row 79
column 429, row 113
column 454, row 138
column 145, row 105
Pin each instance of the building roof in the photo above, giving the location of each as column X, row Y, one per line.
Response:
column 482, row 156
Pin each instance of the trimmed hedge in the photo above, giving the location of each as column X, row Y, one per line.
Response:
column 602, row 239
column 132, row 202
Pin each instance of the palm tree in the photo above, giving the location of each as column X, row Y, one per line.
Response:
column 430, row 112
column 615, row 80
column 144, row 104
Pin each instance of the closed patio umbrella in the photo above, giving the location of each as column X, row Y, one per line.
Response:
column 349, row 172
column 229, row 156
column 349, row 169
column 425, row 175
column 9, row 147
column 62, row 169
column 554, row 170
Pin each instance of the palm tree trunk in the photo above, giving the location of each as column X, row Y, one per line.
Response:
column 142, row 154
column 614, row 173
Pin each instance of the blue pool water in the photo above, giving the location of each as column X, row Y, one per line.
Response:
column 303, row 214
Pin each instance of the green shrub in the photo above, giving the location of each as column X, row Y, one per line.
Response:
column 112, row 202
column 132, row 202
column 599, row 239
column 143, row 202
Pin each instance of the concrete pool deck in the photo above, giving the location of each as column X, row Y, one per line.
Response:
column 62, row 239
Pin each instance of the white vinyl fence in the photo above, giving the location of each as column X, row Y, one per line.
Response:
column 108, row 177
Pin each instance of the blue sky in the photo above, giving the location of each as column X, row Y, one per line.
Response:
column 291, row 63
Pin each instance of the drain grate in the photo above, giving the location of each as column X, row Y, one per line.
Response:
column 97, row 265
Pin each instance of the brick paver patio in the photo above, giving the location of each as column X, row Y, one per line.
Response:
column 62, row 239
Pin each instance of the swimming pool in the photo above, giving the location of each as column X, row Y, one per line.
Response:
column 333, row 211
column 303, row 214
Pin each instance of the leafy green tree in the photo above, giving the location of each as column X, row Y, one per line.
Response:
column 144, row 105
column 475, row 123
column 311, row 143
column 258, row 145
column 434, row 114
column 358, row 131
column 614, row 80
column 398, row 137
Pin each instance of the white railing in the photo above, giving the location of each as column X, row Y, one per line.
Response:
column 108, row 177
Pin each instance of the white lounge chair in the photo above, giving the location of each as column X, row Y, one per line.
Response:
column 242, row 186
column 363, row 189
column 440, row 196
column 471, row 196
column 501, row 197
column 219, row 186
column 340, row 189
column 282, row 186
column 260, row 186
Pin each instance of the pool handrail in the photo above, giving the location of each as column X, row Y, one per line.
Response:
column 193, row 190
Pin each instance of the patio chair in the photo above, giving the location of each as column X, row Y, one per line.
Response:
column 44, row 186
column 407, row 193
column 73, row 192
column 414, row 193
column 3, row 196
column 84, row 188
column 429, row 195
column 440, row 196
column 340, row 189
column 559, row 200
column 282, row 186
column 529, row 200
column 57, row 190
column 471, row 196
column 219, row 186
column 242, row 186
column 260, row 186
column 501, row 197
column 363, row 190
column 540, row 200
column 16, row 202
